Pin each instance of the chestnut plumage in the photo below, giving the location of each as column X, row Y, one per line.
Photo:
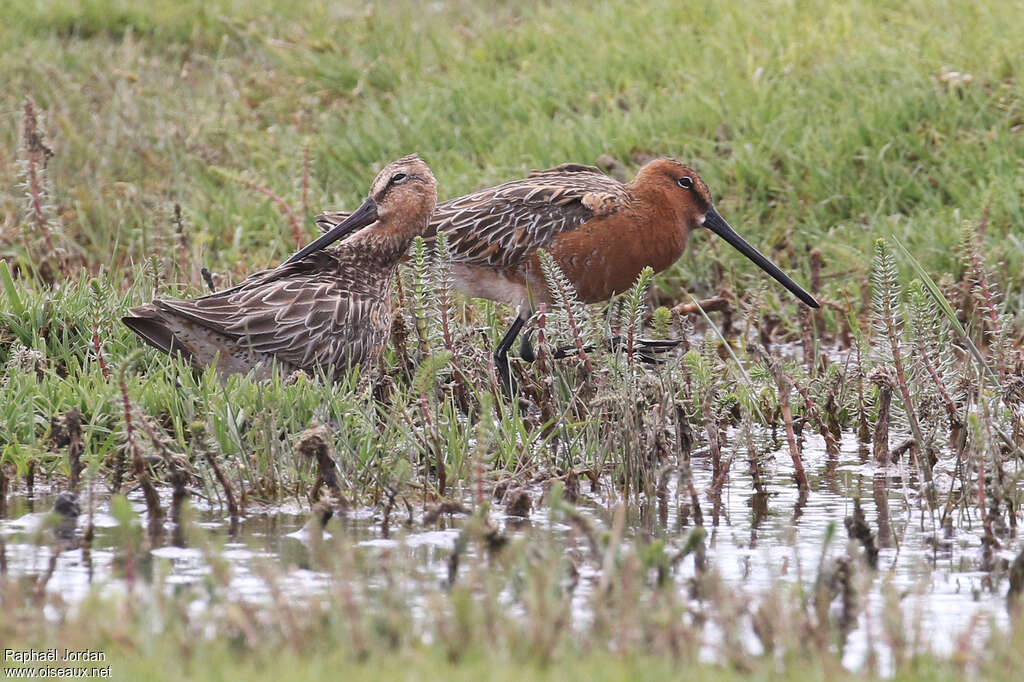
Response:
column 600, row 231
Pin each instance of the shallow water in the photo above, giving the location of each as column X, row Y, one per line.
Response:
column 754, row 542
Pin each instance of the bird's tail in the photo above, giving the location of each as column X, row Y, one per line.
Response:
column 147, row 323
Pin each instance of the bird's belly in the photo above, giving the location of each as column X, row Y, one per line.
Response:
column 504, row 286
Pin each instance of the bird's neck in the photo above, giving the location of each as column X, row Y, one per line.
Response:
column 383, row 242
column 667, row 230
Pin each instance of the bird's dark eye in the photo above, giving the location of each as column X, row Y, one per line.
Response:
column 686, row 182
column 399, row 178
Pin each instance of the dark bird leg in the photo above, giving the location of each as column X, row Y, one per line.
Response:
column 501, row 355
column 648, row 350
column 525, row 347
column 647, row 345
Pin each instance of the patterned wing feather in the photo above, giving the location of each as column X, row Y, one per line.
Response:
column 292, row 313
column 499, row 226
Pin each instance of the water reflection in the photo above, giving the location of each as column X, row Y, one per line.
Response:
column 756, row 538
column 880, row 493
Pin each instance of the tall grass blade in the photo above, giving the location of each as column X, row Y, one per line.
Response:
column 946, row 308
column 12, row 291
column 743, row 372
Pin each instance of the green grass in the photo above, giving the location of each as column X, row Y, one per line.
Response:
column 814, row 124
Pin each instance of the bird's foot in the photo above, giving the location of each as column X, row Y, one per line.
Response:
column 647, row 350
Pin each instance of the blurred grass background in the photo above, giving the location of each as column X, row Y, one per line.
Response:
column 815, row 124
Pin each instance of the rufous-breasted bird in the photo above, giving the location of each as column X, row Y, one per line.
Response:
column 601, row 232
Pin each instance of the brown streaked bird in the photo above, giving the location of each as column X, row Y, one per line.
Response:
column 323, row 309
column 600, row 231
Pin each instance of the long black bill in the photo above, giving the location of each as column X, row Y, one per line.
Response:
column 716, row 223
column 361, row 217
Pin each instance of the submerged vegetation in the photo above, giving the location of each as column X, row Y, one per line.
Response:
column 169, row 149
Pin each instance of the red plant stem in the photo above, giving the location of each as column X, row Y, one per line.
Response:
column 986, row 294
column 444, row 302
column 182, row 255
column 35, row 192
column 35, row 148
column 179, row 227
column 935, row 374
column 980, row 281
column 416, row 311
column 446, row 332
column 981, row 492
column 794, row 452
column 983, row 288
column 99, row 352
column 562, row 294
column 713, row 445
column 862, row 427
column 880, row 441
column 755, row 469
column 129, row 429
column 305, row 180
column 149, row 491
column 629, row 344
column 282, row 205
column 908, row 404
column 784, row 385
column 228, row 493
column 542, row 323
column 698, row 515
column 807, row 339
column 893, row 334
column 428, row 424
column 830, row 441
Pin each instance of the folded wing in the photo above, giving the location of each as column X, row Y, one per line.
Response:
column 500, row 226
column 289, row 312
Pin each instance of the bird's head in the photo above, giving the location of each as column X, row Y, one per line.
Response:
column 690, row 202
column 404, row 193
column 400, row 203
